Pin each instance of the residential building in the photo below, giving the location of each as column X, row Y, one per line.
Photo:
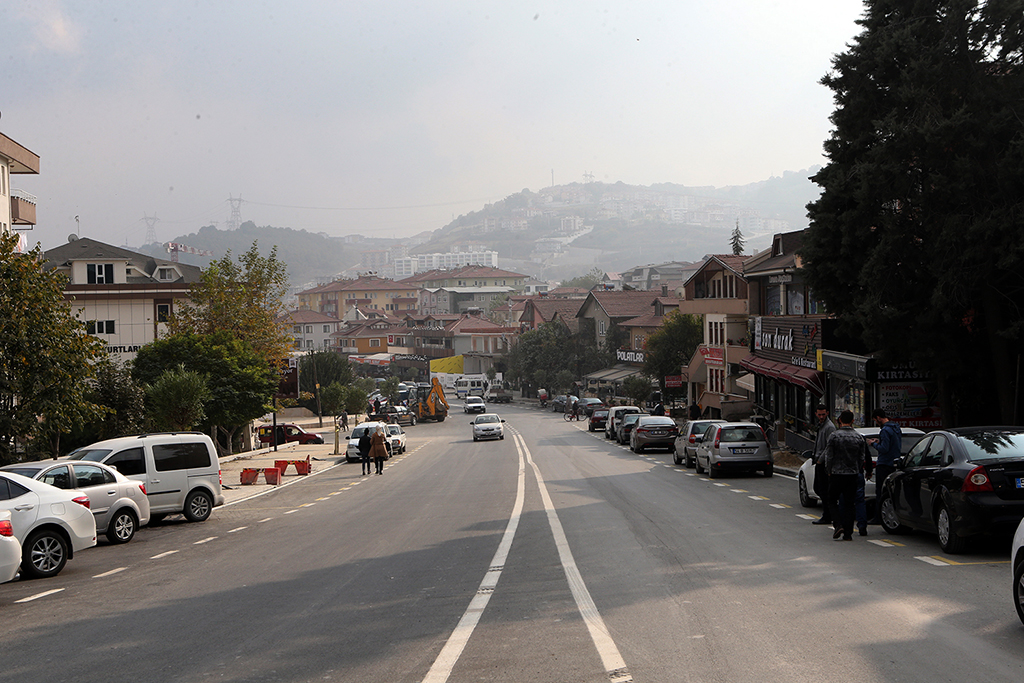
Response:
column 17, row 207
column 417, row 263
column 651, row 276
column 125, row 298
column 540, row 310
column 602, row 311
column 310, row 329
column 367, row 292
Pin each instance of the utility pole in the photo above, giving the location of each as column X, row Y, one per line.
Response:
column 151, row 222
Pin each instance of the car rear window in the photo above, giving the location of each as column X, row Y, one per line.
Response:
column 658, row 421
column 180, row 456
column 989, row 445
column 735, row 434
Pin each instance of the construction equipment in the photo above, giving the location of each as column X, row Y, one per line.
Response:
column 430, row 403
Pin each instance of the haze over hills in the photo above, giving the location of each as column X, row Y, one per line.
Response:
column 554, row 233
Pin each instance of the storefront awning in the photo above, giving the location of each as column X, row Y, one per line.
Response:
column 746, row 382
column 373, row 359
column 812, row 380
column 613, row 374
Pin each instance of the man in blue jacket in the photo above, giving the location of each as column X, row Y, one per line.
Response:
column 889, row 445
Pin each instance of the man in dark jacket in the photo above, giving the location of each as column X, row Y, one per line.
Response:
column 364, row 450
column 846, row 458
column 825, row 430
column 889, row 445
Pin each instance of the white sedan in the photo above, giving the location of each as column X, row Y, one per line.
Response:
column 37, row 509
column 809, row 499
column 10, row 549
column 1017, row 569
column 396, row 435
column 488, row 426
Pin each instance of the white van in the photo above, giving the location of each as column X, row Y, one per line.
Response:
column 469, row 386
column 180, row 470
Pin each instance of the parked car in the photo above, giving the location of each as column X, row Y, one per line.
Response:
column 50, row 524
column 805, row 477
column 119, row 504
column 10, row 549
column 287, row 433
column 688, row 434
column 1017, row 570
column 733, row 446
column 475, row 404
column 626, row 423
column 653, row 431
column 180, row 470
column 396, row 435
column 958, row 484
column 588, row 405
column 487, row 426
column 352, row 450
column 614, row 414
column 560, row 403
column 598, row 419
column 398, row 415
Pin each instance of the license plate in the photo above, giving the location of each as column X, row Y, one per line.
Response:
column 1020, row 482
column 744, row 451
column 658, row 433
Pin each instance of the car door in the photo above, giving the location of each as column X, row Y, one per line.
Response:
column 707, row 441
column 915, row 488
column 23, row 504
column 100, row 486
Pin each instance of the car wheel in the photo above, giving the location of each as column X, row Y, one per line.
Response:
column 948, row 538
column 676, row 458
column 44, row 554
column 502, row 437
column 805, row 496
column 711, row 472
column 769, row 471
column 198, row 506
column 887, row 512
column 122, row 527
column 412, row 421
column 475, row 439
column 1018, row 590
column 698, row 468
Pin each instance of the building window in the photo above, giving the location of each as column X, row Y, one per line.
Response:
column 297, row 329
column 298, row 343
column 309, row 329
column 165, row 274
column 600, row 327
column 163, row 313
column 99, row 273
column 374, row 343
column 327, row 329
column 309, row 343
column 99, row 326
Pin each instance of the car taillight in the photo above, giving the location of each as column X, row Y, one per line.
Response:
column 220, row 478
column 83, row 501
column 6, row 529
column 977, row 480
column 718, row 438
column 693, row 438
column 142, row 487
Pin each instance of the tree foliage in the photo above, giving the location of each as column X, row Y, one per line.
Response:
column 46, row 356
column 177, row 399
column 539, row 355
column 736, row 241
column 586, row 281
column 243, row 298
column 121, row 400
column 637, row 388
column 323, row 367
column 915, row 243
column 672, row 346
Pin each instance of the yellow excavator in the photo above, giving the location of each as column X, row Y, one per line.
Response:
column 430, row 403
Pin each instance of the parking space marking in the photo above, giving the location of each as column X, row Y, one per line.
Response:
column 205, row 540
column 237, row 529
column 739, row 490
column 169, row 552
column 935, row 561
column 306, row 505
column 803, row 516
column 778, row 506
column 885, row 543
column 110, row 573
column 39, row 595
column 324, row 497
column 954, row 563
column 718, row 483
column 758, row 498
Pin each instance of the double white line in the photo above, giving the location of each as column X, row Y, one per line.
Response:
column 613, row 663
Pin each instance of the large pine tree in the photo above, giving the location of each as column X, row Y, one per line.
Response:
column 917, row 241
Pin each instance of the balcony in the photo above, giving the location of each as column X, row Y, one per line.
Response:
column 23, row 208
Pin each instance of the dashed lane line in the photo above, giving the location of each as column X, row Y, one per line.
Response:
column 39, row 595
column 165, row 554
column 205, row 540
column 110, row 573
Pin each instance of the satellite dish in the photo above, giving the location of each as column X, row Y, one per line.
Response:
column 72, row 237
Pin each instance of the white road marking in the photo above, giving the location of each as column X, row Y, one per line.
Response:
column 778, row 506
column 39, row 595
column 803, row 516
column 169, row 552
column 933, row 561
column 883, row 544
column 718, row 483
column 237, row 529
column 265, row 519
column 757, row 498
column 205, row 540
column 290, row 512
column 739, row 490
column 110, row 573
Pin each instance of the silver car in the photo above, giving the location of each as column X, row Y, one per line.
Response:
column 119, row 504
column 733, row 446
column 689, row 433
column 487, row 426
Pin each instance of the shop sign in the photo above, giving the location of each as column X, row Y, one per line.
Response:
column 410, row 356
column 673, row 381
column 123, row 349
column 629, row 356
column 779, row 279
column 844, row 364
column 911, row 404
column 712, row 356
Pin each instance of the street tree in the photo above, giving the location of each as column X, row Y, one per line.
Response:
column 121, row 399
column 915, row 242
column 177, row 399
column 243, row 297
column 46, row 356
column 672, row 346
column 736, row 241
column 323, row 367
column 332, row 398
column 637, row 388
column 389, row 389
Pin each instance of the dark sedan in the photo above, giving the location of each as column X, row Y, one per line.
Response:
column 654, row 431
column 589, row 405
column 598, row 419
column 625, row 426
column 958, row 483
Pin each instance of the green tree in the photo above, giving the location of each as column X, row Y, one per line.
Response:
column 637, row 388
column 736, row 241
column 333, row 398
column 355, row 400
column 325, row 367
column 177, row 399
column 586, row 281
column 672, row 346
column 46, row 356
column 121, row 399
column 915, row 242
column 242, row 382
column 243, row 298
column 563, row 381
column 389, row 389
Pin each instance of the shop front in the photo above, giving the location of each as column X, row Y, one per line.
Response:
column 860, row 384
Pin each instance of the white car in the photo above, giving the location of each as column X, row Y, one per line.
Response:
column 51, row 524
column 352, row 451
column 487, row 426
column 475, row 404
column 396, row 435
column 119, row 504
column 805, row 478
column 10, row 549
column 1017, row 569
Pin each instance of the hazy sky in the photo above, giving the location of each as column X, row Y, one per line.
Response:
column 388, row 118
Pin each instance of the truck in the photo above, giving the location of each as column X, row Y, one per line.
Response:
column 429, row 403
column 499, row 395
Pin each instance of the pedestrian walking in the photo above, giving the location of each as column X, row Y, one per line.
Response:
column 825, row 430
column 344, row 420
column 364, row 450
column 379, row 449
column 694, row 411
column 376, row 406
column 847, row 460
column 658, row 409
column 889, row 445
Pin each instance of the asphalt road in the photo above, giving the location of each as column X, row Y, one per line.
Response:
column 552, row 555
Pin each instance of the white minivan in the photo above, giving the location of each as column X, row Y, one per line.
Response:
column 180, row 470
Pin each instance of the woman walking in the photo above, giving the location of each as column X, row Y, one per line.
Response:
column 379, row 449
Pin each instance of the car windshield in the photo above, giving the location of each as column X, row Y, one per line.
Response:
column 993, row 444
column 487, row 418
column 735, row 434
column 474, row 399
column 394, row 429
column 600, row 413
column 92, row 455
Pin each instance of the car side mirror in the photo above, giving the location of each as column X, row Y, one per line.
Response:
column 471, row 422
column 502, row 420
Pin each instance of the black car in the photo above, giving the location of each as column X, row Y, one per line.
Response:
column 958, row 483
column 626, row 424
column 598, row 418
column 562, row 402
column 397, row 415
column 588, row 405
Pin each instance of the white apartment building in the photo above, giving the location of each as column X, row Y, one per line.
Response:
column 410, row 265
column 17, row 208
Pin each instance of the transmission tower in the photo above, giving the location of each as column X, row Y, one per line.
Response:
column 151, row 221
column 236, row 212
